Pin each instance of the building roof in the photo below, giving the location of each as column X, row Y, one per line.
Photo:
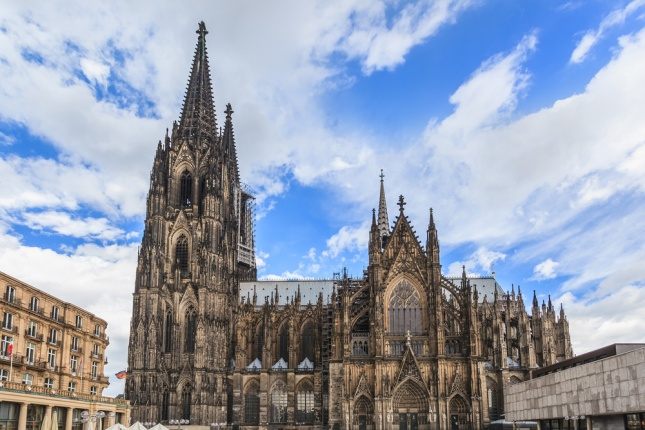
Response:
column 588, row 357
column 486, row 286
column 287, row 290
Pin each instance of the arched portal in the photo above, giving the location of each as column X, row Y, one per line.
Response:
column 458, row 412
column 363, row 413
column 410, row 406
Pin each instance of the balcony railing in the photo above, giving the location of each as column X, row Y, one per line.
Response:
column 33, row 389
column 36, row 336
column 11, row 300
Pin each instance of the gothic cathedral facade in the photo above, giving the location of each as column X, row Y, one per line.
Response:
column 402, row 347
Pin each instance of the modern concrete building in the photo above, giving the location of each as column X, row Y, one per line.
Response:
column 600, row 390
column 52, row 356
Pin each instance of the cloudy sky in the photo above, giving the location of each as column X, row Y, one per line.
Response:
column 521, row 123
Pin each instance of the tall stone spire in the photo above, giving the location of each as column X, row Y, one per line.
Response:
column 383, row 222
column 198, row 113
column 228, row 143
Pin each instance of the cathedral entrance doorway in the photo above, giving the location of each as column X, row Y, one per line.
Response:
column 363, row 413
column 408, row 421
column 459, row 414
column 410, row 404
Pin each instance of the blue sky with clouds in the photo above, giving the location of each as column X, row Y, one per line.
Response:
column 520, row 123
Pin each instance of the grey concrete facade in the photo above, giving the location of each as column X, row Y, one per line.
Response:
column 604, row 391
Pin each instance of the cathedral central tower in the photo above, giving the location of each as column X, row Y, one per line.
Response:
column 197, row 245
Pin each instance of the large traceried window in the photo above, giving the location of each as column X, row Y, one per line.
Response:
column 190, row 330
column 186, row 190
column 305, row 403
column 283, row 343
column 278, row 403
column 404, row 310
column 252, row 403
column 181, row 255
column 308, row 342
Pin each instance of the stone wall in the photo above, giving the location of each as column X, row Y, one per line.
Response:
column 614, row 385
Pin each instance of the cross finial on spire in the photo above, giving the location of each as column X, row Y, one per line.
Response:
column 201, row 30
column 229, row 111
column 408, row 340
column 401, row 203
column 382, row 175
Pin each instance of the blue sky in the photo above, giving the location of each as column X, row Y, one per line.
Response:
column 520, row 123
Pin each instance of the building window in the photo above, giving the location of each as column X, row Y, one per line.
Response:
column 10, row 294
column 167, row 338
column 307, row 342
column 51, row 358
column 95, row 367
column 54, row 313
column 27, row 379
column 73, row 363
column 278, row 403
column 71, row 387
column 32, row 329
column 181, row 255
column 7, row 321
column 305, row 403
column 49, row 383
column 30, row 353
column 79, row 321
column 95, row 350
column 4, row 346
column 4, row 374
column 252, row 403
column 283, row 343
column 186, row 191
column 97, row 330
column 35, row 416
column 404, row 310
column 53, row 336
column 93, row 390
column 33, row 304
column 74, row 345
column 190, row 330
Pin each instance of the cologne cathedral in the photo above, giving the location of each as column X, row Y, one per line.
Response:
column 401, row 347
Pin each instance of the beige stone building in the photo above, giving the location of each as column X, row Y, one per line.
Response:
column 52, row 358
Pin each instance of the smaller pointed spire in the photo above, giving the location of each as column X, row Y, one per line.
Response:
column 550, row 304
column 373, row 217
column 519, row 290
column 383, row 222
column 255, row 297
column 513, row 290
column 277, row 296
column 535, row 300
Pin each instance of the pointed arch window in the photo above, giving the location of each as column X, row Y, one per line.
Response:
column 167, row 337
column 283, row 343
column 404, row 310
column 308, row 342
column 257, row 341
column 181, row 255
column 305, row 403
column 186, row 400
column 186, row 189
column 190, row 322
column 278, row 403
column 252, row 403
column 202, row 194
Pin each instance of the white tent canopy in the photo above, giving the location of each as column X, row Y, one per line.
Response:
column 137, row 426
column 280, row 364
column 158, row 427
column 255, row 365
column 306, row 364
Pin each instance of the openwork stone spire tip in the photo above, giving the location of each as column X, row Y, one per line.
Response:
column 383, row 222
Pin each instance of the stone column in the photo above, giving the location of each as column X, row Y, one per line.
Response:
column 588, row 419
column 22, row 416
column 69, row 415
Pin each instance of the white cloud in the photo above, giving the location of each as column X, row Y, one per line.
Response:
column 545, row 270
column 6, row 140
column 95, row 71
column 613, row 19
column 347, row 239
column 480, row 262
column 63, row 223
